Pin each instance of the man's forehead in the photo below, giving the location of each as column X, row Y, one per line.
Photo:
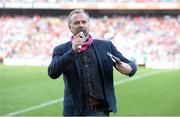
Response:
column 78, row 16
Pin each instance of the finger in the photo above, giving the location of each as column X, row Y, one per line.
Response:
column 76, row 45
column 77, row 41
column 80, row 43
column 77, row 36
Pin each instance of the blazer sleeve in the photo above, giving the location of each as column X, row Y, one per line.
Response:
column 60, row 60
column 122, row 58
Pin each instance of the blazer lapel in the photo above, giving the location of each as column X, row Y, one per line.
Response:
column 76, row 61
column 98, row 56
column 77, row 65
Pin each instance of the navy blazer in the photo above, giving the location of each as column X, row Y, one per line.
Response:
column 65, row 61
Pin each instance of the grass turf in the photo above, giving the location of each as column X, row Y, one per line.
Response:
column 22, row 87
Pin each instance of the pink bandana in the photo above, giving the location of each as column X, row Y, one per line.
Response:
column 87, row 44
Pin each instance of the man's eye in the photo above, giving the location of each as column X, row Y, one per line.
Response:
column 76, row 23
column 84, row 22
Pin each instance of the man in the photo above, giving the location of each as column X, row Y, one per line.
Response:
column 87, row 70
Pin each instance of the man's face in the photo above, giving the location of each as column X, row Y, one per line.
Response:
column 78, row 21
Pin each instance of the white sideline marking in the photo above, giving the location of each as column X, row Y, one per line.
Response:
column 60, row 100
column 137, row 77
column 35, row 107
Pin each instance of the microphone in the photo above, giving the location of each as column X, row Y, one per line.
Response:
column 82, row 35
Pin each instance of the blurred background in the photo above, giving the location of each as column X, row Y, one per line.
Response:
column 145, row 31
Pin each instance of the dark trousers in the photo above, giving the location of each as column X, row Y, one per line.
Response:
column 95, row 108
column 95, row 113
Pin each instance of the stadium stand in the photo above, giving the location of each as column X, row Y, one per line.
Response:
column 147, row 38
column 59, row 1
column 34, row 37
column 92, row 4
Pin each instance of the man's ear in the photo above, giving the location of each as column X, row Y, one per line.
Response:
column 69, row 27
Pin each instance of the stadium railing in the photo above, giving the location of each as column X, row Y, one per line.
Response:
column 94, row 5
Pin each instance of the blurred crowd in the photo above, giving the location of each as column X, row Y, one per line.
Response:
column 137, row 37
column 59, row 1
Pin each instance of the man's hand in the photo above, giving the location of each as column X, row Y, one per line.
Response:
column 124, row 68
column 77, row 42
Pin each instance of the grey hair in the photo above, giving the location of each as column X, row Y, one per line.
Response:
column 76, row 11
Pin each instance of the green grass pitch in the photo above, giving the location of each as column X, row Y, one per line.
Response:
column 28, row 91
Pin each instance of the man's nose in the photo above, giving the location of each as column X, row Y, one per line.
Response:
column 81, row 24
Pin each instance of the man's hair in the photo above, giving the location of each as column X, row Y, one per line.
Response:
column 76, row 11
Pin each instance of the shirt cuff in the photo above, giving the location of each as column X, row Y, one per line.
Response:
column 134, row 69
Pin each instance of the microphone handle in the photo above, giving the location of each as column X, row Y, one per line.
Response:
column 82, row 36
column 80, row 46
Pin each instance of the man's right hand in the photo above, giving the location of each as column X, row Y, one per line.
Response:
column 76, row 42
